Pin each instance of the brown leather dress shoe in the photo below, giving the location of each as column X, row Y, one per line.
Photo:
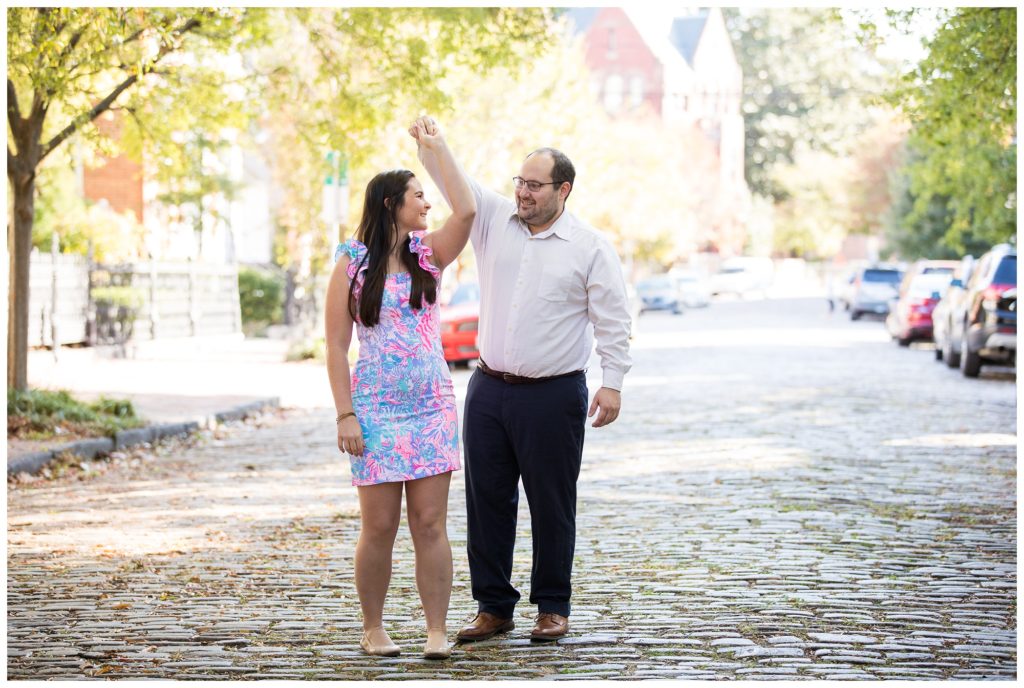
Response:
column 484, row 626
column 550, row 627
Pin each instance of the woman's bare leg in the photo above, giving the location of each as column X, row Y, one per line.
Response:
column 427, row 505
column 380, row 508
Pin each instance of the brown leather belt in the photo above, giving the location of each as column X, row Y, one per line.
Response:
column 519, row 379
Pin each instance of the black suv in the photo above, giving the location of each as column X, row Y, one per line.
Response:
column 984, row 330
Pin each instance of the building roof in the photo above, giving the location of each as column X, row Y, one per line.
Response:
column 652, row 25
column 680, row 40
column 685, row 34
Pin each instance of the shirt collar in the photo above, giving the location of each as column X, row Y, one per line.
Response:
column 562, row 227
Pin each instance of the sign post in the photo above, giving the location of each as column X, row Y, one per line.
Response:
column 335, row 196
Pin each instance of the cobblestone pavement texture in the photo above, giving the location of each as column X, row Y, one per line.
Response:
column 787, row 495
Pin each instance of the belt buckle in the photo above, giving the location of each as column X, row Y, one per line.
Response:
column 509, row 378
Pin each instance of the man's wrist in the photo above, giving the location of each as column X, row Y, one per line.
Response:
column 612, row 379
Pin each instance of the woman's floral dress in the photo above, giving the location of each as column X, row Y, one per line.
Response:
column 401, row 389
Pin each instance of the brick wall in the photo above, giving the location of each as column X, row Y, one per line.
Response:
column 614, row 47
column 117, row 180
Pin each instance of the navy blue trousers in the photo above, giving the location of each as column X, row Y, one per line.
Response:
column 533, row 432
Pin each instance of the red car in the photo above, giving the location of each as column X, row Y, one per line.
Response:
column 459, row 320
column 911, row 318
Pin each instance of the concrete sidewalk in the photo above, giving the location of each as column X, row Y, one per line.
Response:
column 187, row 379
column 179, row 383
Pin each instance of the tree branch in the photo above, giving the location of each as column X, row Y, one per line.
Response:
column 13, row 111
column 86, row 117
column 104, row 104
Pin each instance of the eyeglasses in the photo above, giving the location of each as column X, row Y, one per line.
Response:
column 531, row 184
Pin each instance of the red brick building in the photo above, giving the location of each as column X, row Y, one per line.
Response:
column 684, row 69
column 117, row 180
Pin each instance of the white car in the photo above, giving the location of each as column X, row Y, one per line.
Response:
column 743, row 274
column 694, row 287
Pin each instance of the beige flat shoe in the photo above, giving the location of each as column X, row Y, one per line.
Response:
column 437, row 646
column 380, row 645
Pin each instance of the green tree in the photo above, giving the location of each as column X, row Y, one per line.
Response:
column 650, row 185
column 65, row 68
column 962, row 103
column 916, row 229
column 806, row 83
column 351, row 79
column 341, row 73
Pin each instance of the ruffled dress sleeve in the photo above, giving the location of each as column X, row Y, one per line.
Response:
column 423, row 252
column 357, row 263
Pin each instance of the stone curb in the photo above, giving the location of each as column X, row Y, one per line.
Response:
column 90, row 448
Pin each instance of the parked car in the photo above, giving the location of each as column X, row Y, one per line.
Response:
column 635, row 305
column 984, row 330
column 695, row 288
column 660, row 293
column 950, row 307
column 460, row 319
column 846, row 289
column 927, row 267
column 743, row 274
column 910, row 318
column 873, row 289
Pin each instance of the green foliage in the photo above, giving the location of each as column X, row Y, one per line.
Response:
column 341, row 78
column 962, row 102
column 37, row 414
column 262, row 296
column 69, row 60
column 651, row 186
column 916, row 229
column 129, row 297
column 806, row 84
column 312, row 349
column 60, row 208
column 815, row 216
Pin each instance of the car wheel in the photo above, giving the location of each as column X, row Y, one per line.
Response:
column 938, row 354
column 902, row 341
column 855, row 315
column 951, row 357
column 970, row 361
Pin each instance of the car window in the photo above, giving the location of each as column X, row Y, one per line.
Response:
column 923, row 286
column 655, row 283
column 937, row 271
column 1006, row 273
column 890, row 276
column 465, row 293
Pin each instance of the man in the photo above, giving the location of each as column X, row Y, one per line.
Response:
column 549, row 285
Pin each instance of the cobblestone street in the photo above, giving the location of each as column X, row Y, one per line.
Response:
column 786, row 495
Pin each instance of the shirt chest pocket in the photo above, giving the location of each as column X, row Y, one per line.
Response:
column 554, row 285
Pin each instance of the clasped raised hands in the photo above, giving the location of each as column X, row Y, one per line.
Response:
column 426, row 132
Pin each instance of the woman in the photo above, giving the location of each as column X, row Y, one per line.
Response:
column 396, row 410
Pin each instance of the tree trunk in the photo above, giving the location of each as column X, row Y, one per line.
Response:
column 19, row 242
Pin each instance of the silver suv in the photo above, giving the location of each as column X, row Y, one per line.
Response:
column 872, row 290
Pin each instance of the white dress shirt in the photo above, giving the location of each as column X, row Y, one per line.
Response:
column 544, row 298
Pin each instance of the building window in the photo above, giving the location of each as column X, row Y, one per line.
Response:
column 636, row 91
column 613, row 48
column 613, row 87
